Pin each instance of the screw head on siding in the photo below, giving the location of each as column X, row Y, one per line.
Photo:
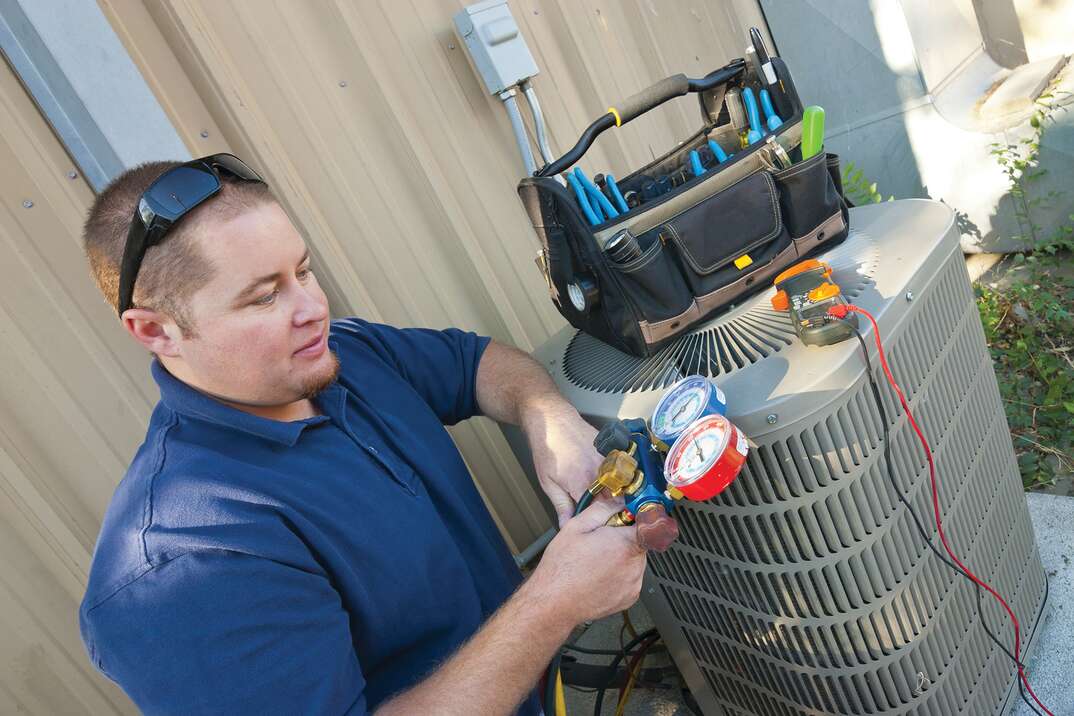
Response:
column 772, row 419
column 27, row 204
column 909, row 295
column 72, row 175
column 205, row 134
column 343, row 83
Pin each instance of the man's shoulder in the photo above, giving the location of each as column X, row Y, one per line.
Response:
column 399, row 347
column 365, row 337
column 371, row 352
column 177, row 496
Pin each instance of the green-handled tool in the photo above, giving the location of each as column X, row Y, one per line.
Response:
column 812, row 131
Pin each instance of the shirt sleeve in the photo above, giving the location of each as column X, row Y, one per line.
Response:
column 441, row 365
column 220, row 632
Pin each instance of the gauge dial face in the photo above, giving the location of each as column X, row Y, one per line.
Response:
column 697, row 450
column 681, row 406
column 576, row 296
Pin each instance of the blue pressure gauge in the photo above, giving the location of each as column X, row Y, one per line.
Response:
column 686, row 401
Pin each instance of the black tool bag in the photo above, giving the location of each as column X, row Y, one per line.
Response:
column 693, row 251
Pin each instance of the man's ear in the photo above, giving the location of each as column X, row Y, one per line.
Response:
column 154, row 330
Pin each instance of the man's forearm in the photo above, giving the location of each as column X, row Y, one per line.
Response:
column 512, row 387
column 494, row 671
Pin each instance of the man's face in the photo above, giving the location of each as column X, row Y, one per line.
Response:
column 261, row 323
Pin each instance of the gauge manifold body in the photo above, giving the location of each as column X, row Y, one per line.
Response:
column 706, row 458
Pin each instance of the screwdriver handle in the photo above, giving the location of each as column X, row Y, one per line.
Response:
column 812, row 131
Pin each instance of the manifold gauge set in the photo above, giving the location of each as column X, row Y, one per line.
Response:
column 705, row 451
column 687, row 450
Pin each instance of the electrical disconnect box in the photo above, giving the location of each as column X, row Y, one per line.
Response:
column 498, row 50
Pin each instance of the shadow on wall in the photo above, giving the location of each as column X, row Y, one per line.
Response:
column 838, row 61
column 859, row 60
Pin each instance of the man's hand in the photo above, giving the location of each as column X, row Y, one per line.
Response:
column 513, row 388
column 590, row 570
column 563, row 454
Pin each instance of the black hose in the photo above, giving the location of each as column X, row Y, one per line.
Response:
column 583, row 502
column 917, row 521
column 615, row 665
column 552, row 673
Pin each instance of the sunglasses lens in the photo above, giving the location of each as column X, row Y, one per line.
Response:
column 180, row 190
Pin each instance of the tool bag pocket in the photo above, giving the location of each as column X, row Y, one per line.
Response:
column 814, row 211
column 654, row 282
column 728, row 236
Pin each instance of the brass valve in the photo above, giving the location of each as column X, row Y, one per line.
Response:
column 618, row 474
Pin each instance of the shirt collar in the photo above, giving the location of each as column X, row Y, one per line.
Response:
column 189, row 401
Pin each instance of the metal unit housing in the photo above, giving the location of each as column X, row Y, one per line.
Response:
column 806, row 588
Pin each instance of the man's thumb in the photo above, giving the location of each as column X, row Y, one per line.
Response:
column 596, row 515
column 564, row 509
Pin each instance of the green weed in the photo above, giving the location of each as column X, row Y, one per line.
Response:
column 1030, row 333
column 858, row 188
column 1028, row 323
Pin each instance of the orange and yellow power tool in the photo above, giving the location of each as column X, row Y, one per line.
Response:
column 807, row 291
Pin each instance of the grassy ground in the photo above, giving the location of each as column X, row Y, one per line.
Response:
column 1027, row 308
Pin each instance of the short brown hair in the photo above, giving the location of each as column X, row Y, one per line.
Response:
column 173, row 270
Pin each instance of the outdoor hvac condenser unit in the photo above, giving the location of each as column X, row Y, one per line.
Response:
column 805, row 587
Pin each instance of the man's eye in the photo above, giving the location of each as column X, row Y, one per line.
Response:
column 304, row 274
column 268, row 298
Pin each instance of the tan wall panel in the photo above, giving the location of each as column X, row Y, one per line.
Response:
column 74, row 399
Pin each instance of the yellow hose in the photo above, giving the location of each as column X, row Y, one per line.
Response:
column 629, row 625
column 621, row 708
column 561, row 700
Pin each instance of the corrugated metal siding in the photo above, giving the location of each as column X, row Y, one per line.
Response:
column 74, row 398
column 369, row 123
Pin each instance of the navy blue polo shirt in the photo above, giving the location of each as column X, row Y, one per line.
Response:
column 253, row 566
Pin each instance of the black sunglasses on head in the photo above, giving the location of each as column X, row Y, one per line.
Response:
column 173, row 195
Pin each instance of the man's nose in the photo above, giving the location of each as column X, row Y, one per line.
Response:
column 312, row 306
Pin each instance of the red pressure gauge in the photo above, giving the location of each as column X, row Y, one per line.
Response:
column 706, row 458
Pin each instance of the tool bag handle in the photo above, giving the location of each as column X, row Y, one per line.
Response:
column 640, row 103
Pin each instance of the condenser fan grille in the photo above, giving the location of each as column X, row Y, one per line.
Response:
column 731, row 342
column 806, row 588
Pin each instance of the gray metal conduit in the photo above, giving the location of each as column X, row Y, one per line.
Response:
column 508, row 98
column 538, row 121
column 527, row 555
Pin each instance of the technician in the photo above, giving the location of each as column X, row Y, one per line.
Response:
column 298, row 533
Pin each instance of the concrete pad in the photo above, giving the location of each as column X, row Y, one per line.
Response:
column 978, row 264
column 1052, row 665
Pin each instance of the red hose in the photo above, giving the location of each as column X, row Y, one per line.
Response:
column 840, row 311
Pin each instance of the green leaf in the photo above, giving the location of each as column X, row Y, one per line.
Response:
column 1069, row 406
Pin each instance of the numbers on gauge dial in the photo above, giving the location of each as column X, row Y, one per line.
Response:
column 698, row 455
column 683, row 408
